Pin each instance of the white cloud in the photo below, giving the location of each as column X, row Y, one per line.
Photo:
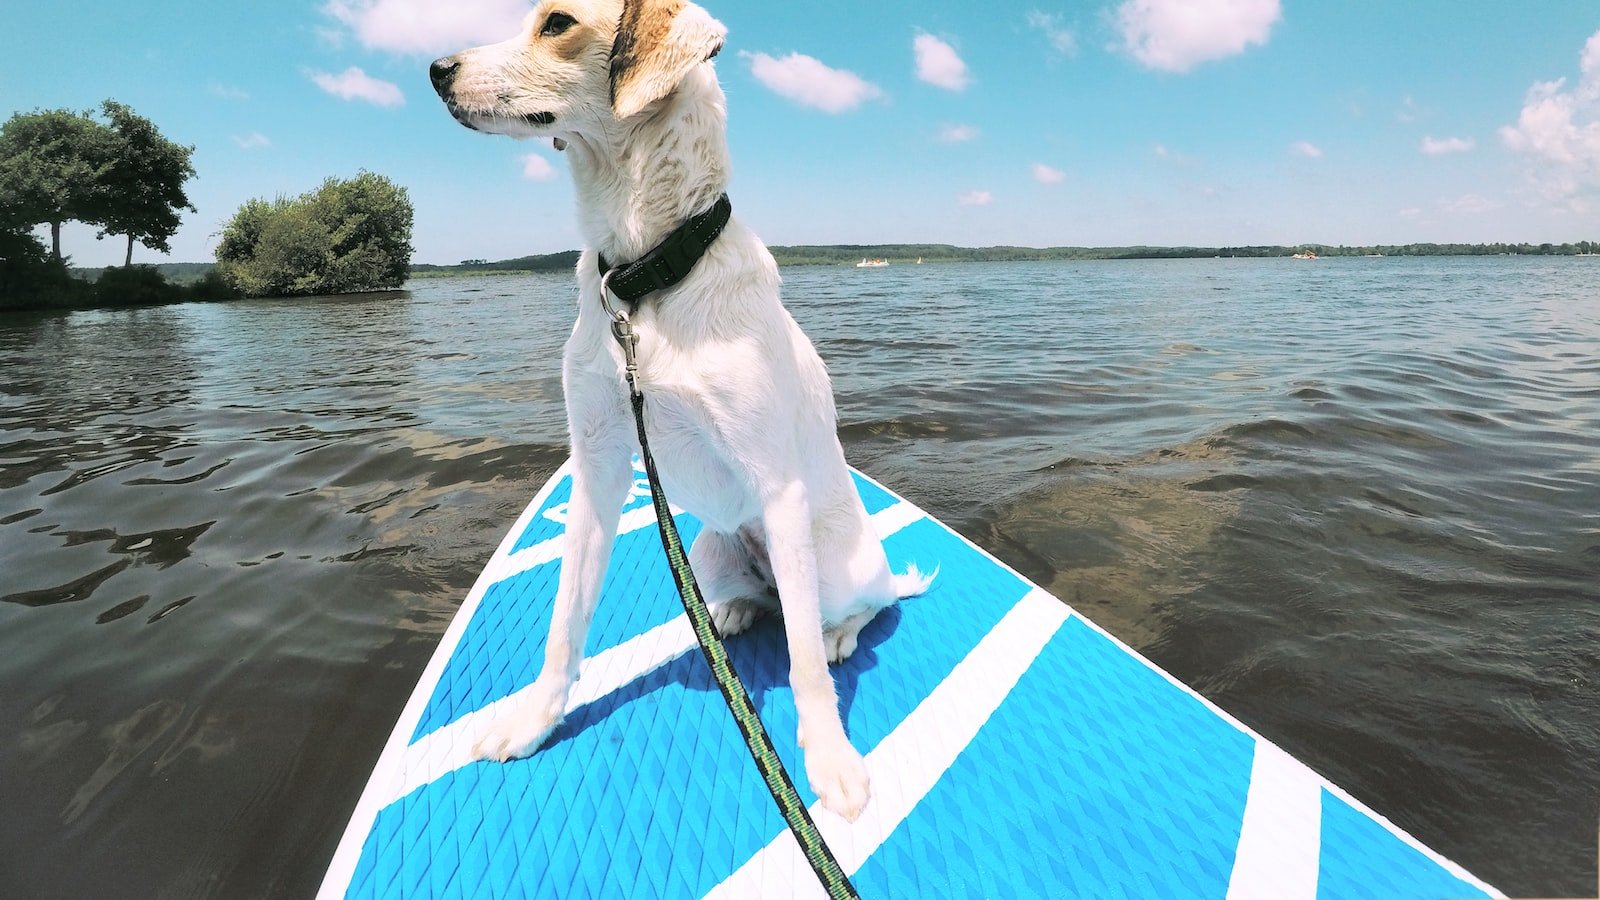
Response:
column 1558, row 131
column 1306, row 149
column 975, row 198
column 354, row 84
column 329, row 35
column 809, row 82
column 1468, row 205
column 255, row 140
column 537, row 168
column 1174, row 157
column 1178, row 158
column 427, row 27
column 1050, row 26
column 1432, row 146
column 1046, row 175
column 1408, row 111
column 228, row 92
column 1177, row 35
column 938, row 64
column 1410, row 212
column 956, row 134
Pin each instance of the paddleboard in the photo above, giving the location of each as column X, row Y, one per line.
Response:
column 1015, row 749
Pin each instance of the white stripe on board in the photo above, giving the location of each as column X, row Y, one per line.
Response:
column 1280, row 841
column 1405, row 837
column 891, row 519
column 502, row 567
column 911, row 759
column 885, row 521
column 450, row 747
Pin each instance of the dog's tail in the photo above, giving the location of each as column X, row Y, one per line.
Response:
column 913, row 583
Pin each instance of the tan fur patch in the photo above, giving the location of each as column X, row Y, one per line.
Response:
column 573, row 42
column 641, row 35
column 658, row 43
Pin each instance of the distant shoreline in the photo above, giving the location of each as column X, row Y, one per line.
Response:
column 907, row 254
column 849, row 254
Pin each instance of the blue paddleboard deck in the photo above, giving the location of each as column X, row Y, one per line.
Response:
column 1015, row 750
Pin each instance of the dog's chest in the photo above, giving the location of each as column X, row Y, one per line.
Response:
column 712, row 415
column 694, row 463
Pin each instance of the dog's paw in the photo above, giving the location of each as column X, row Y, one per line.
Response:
column 735, row 616
column 508, row 740
column 840, row 640
column 518, row 731
column 838, row 774
column 840, row 643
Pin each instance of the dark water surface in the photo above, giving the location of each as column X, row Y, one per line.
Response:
column 1355, row 502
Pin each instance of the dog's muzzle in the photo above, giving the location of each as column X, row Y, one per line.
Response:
column 442, row 72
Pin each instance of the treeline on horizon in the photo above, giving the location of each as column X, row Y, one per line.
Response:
column 849, row 254
column 548, row 262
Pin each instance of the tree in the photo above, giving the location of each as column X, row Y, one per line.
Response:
column 372, row 237
column 348, row 235
column 141, row 191
column 23, row 263
column 51, row 165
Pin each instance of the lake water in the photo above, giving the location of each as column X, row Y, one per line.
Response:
column 1356, row 502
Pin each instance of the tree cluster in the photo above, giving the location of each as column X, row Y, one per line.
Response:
column 120, row 175
column 347, row 235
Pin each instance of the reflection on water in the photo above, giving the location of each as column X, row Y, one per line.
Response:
column 1358, row 504
column 231, row 535
column 1113, row 539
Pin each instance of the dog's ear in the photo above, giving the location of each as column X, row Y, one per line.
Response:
column 658, row 42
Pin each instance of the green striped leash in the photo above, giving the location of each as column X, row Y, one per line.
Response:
column 833, row 878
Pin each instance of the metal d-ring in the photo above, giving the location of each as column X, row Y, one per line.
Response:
column 605, row 297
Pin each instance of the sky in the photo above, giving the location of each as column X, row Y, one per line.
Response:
column 1094, row 123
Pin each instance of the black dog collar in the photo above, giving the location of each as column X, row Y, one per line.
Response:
column 671, row 260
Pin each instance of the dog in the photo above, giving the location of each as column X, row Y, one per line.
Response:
column 739, row 408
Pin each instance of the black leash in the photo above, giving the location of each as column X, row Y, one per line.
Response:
column 663, row 267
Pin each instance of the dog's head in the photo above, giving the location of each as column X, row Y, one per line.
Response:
column 577, row 66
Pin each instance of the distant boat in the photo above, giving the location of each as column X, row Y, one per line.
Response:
column 1306, row 255
column 872, row 264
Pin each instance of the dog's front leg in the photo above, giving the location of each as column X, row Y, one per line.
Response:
column 834, row 768
column 600, row 482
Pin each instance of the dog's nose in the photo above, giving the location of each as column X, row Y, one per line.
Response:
column 443, row 72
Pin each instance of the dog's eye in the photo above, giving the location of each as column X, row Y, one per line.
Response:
column 557, row 23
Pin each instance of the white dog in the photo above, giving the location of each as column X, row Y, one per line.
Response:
column 739, row 408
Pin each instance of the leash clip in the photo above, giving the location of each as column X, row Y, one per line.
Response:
column 622, row 330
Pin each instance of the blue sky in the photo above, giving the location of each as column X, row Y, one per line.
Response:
column 1204, row 122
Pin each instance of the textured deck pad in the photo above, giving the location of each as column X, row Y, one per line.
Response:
column 1015, row 749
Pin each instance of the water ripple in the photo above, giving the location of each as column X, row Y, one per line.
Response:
column 1356, row 503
